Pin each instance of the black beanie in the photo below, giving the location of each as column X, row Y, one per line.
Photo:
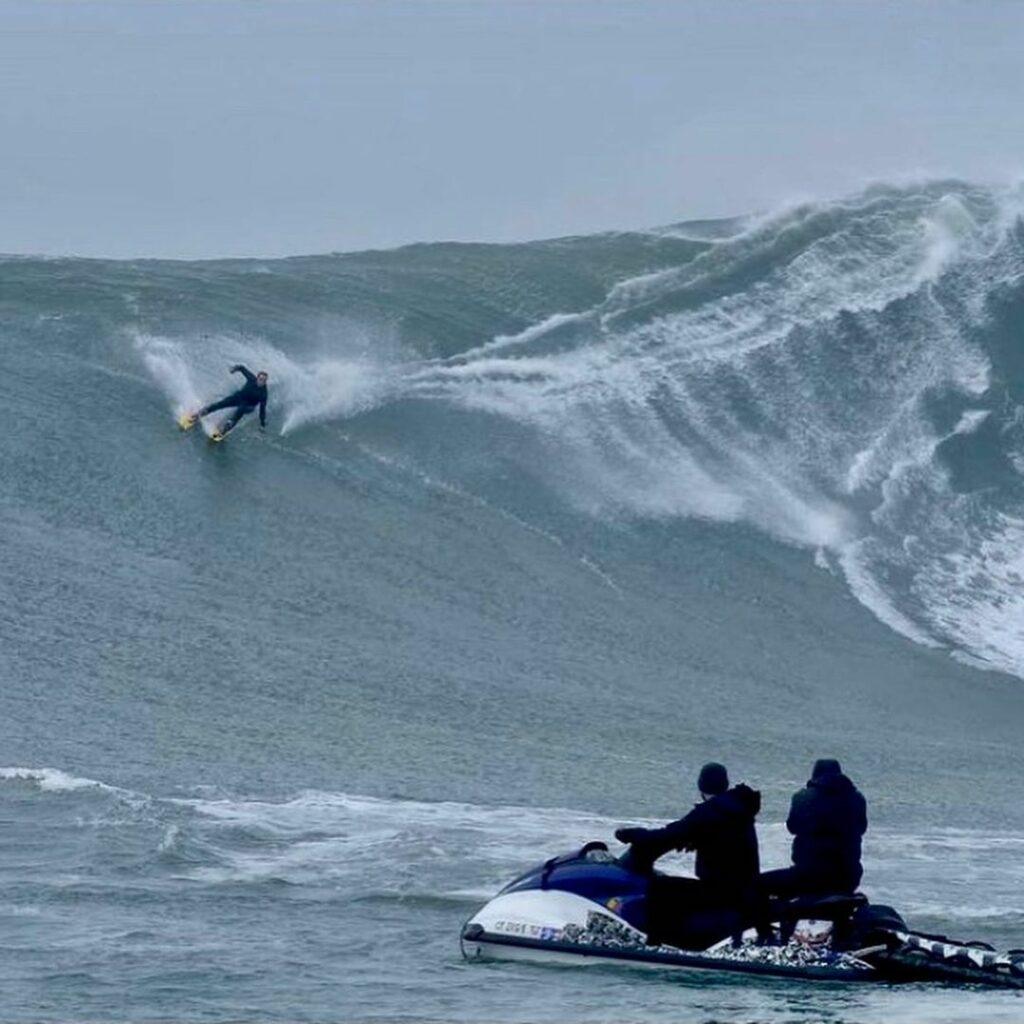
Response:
column 825, row 767
column 713, row 779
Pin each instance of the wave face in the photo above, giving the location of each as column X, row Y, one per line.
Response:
column 842, row 376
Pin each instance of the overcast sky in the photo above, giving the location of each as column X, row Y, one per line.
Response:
column 260, row 128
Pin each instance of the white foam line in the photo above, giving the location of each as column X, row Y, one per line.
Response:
column 868, row 591
column 532, row 333
column 53, row 780
column 321, row 835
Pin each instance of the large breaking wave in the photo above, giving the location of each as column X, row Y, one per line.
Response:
column 844, row 376
column 836, row 375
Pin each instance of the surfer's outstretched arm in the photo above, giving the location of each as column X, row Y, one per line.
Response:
column 245, row 372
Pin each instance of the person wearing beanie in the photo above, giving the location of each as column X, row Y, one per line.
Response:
column 720, row 829
column 827, row 819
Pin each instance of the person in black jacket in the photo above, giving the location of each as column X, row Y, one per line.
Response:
column 827, row 819
column 251, row 394
column 720, row 829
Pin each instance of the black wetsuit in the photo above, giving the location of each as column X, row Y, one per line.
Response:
column 243, row 401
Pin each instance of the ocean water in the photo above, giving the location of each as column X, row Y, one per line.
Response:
column 535, row 530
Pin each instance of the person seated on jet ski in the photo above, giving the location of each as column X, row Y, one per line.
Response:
column 827, row 819
column 721, row 831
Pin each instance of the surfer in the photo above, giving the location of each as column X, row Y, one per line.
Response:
column 252, row 394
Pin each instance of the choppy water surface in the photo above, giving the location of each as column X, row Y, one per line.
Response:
column 534, row 532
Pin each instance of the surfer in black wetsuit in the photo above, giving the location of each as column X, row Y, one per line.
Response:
column 252, row 394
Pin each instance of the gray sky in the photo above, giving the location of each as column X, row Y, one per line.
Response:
column 258, row 128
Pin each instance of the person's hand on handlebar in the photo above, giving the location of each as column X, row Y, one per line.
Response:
column 631, row 835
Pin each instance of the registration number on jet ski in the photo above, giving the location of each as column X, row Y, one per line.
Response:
column 529, row 931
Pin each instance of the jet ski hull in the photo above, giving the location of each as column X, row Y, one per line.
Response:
column 539, row 925
column 483, row 946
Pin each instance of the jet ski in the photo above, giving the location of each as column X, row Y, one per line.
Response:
column 591, row 907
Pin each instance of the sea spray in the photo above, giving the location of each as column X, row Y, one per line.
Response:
column 195, row 371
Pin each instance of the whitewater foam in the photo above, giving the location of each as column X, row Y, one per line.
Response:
column 397, row 847
column 719, row 389
column 53, row 780
column 531, row 334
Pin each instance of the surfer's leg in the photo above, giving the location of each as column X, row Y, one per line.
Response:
column 232, row 421
column 224, row 403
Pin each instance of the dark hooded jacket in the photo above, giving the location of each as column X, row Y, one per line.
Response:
column 720, row 830
column 827, row 819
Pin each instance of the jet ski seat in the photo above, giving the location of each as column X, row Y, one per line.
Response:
column 839, row 907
